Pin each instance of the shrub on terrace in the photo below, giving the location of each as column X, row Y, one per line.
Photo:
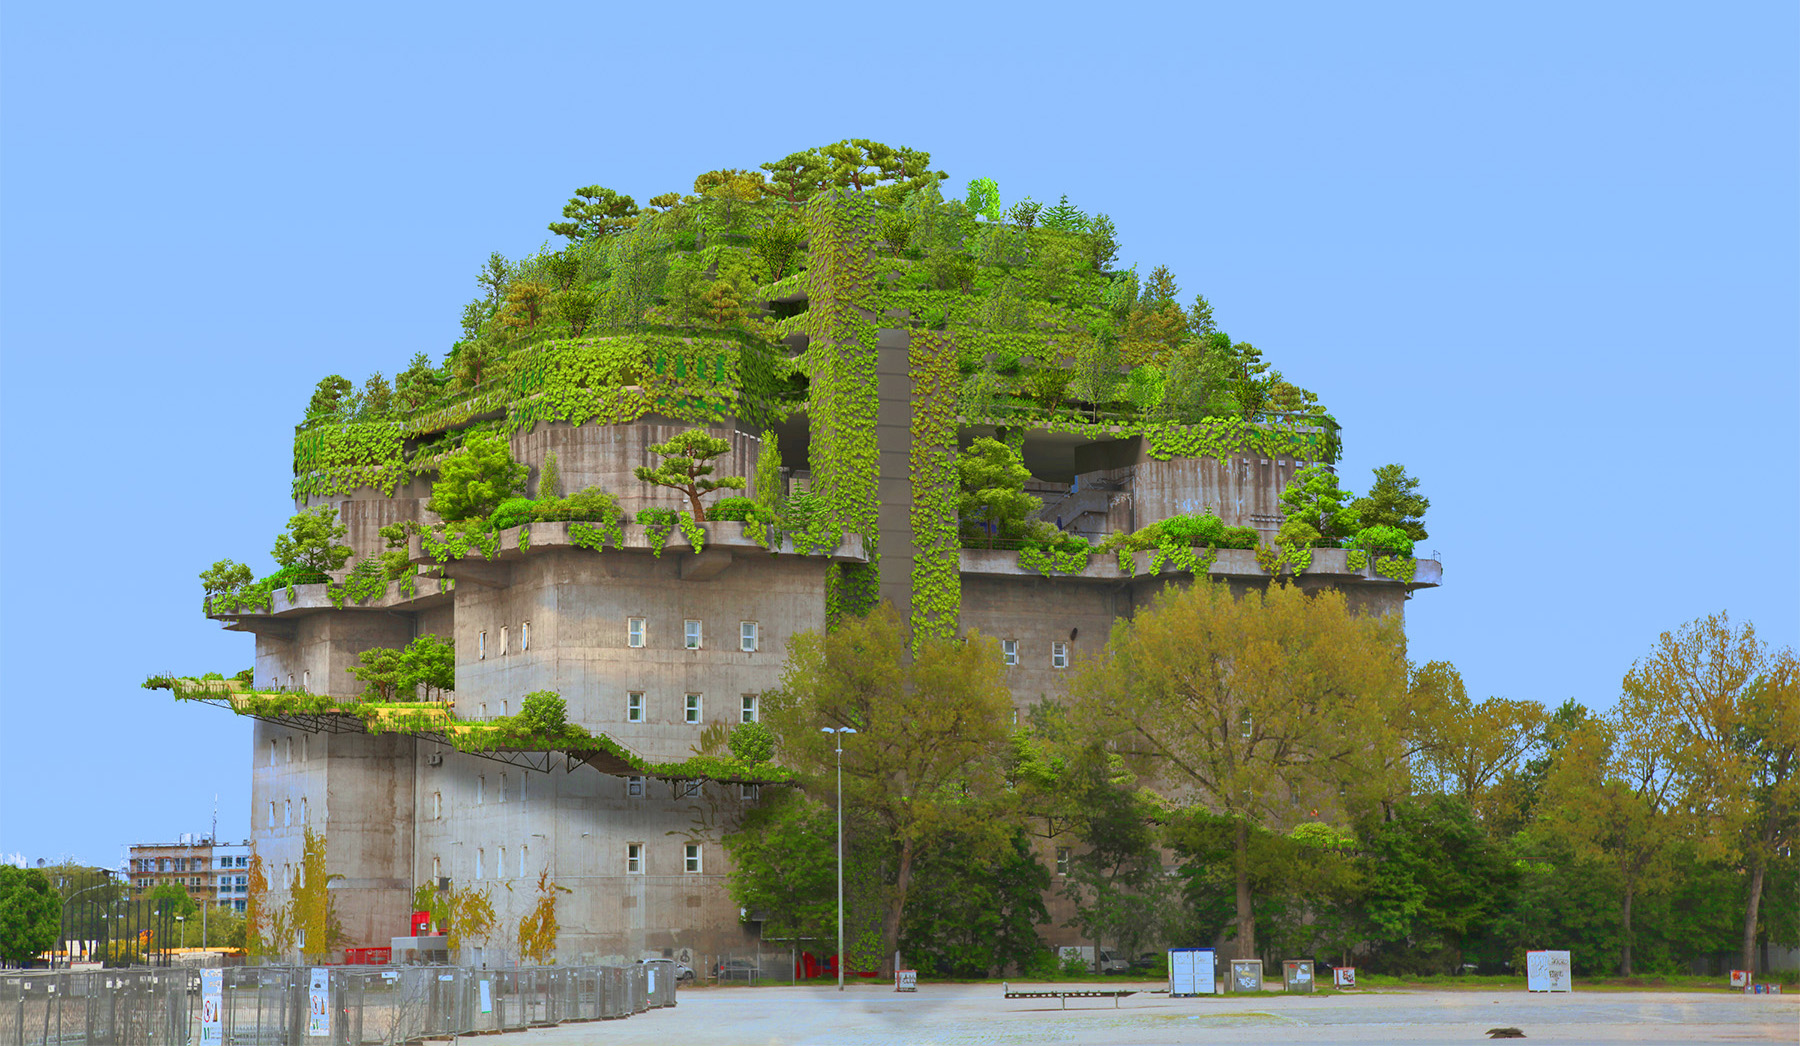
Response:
column 473, row 482
column 740, row 510
column 310, row 543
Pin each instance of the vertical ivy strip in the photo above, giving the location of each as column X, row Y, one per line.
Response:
column 936, row 571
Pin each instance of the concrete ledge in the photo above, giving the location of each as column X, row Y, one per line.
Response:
column 1328, row 563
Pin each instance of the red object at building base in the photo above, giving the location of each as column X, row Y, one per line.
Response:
column 421, row 923
column 368, row 956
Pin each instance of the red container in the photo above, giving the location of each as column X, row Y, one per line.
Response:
column 421, row 923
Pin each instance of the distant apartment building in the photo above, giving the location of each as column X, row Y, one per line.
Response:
column 212, row 873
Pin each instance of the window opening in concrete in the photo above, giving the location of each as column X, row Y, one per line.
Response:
column 1247, row 724
column 305, row 749
column 752, row 705
column 1062, row 860
column 500, row 863
column 691, row 632
column 693, row 708
column 271, row 751
column 687, row 789
column 503, row 788
column 302, row 809
column 524, row 856
column 306, row 681
column 271, row 809
column 693, row 858
column 747, row 636
column 1059, row 655
column 437, row 869
column 480, row 789
column 290, row 749
column 505, row 639
column 481, row 646
column 437, row 806
column 748, row 792
column 524, row 637
column 479, row 856
column 634, row 858
column 1009, row 649
column 634, row 787
column 287, row 812
column 634, row 707
column 635, row 631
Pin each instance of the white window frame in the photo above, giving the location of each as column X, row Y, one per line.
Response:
column 751, row 710
column 634, row 706
column 505, row 639
column 524, row 636
column 687, row 789
column 691, row 859
column 437, row 806
column 1062, row 860
column 634, row 858
column 637, row 632
column 749, row 792
column 1009, row 651
column 749, row 636
column 692, row 634
column 1059, row 655
column 634, row 788
column 691, row 708
column 481, row 645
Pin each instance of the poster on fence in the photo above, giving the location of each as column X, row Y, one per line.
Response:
column 487, row 998
column 212, row 999
column 318, row 1004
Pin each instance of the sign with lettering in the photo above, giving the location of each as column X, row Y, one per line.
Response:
column 1548, row 972
column 318, row 1004
column 212, row 1001
column 906, row 980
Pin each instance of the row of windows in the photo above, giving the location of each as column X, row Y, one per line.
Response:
column 637, row 861
column 173, row 864
column 1059, row 653
column 692, row 705
column 276, row 746
column 635, row 788
column 287, row 812
column 481, row 641
column 693, row 635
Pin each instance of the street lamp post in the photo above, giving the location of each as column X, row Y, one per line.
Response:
column 839, row 732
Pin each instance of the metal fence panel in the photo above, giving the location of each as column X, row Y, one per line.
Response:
column 268, row 1005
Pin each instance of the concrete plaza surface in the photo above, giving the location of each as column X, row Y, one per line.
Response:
column 977, row 1015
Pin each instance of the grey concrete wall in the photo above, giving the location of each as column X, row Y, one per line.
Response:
column 604, row 456
column 1038, row 611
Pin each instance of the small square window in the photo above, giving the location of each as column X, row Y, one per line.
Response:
column 505, row 639
column 634, row 631
column 752, row 705
column 481, row 646
column 525, row 636
column 747, row 636
column 1009, row 650
column 634, row 787
column 748, row 792
column 693, row 858
column 693, row 709
column 634, row 707
column 690, row 630
column 687, row 789
column 1062, row 860
column 634, row 858
column 1059, row 655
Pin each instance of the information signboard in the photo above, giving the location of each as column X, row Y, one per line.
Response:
column 318, row 1004
column 906, row 980
column 212, row 1001
column 1343, row 977
column 1191, row 972
column 1547, row 972
column 1297, row 975
column 1246, row 975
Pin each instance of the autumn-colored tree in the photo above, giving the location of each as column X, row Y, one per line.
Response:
column 1472, row 749
column 1253, row 706
column 256, row 916
column 314, row 913
column 1736, row 709
column 931, row 734
column 685, row 468
column 538, row 927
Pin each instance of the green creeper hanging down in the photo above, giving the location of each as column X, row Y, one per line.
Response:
column 684, row 468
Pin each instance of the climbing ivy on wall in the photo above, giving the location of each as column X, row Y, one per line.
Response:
column 840, row 362
column 936, row 571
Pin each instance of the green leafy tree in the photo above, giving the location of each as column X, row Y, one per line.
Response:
column 329, row 396
column 417, row 383
column 1393, row 501
column 223, row 578
column 797, row 176
column 549, row 479
column 29, row 914
column 1095, row 370
column 172, row 898
column 472, row 482
column 752, row 742
column 992, row 501
column 887, row 171
column 429, row 666
column 1116, row 875
column 1066, row 217
column 1313, row 498
column 1025, row 213
column 975, row 908
column 984, row 198
column 1435, row 880
column 784, row 864
column 1736, row 708
column 1246, row 704
column 595, row 212
column 545, row 712
column 1200, row 317
column 1471, row 750
column 311, row 542
column 777, row 241
column 1103, row 242
column 685, row 468
column 926, row 761
column 377, row 398
column 382, row 671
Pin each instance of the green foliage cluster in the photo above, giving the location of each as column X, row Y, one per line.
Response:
column 685, row 468
column 934, row 473
column 29, row 914
column 424, row 669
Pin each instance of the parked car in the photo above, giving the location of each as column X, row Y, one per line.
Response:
column 1149, row 962
column 683, row 973
column 1111, row 962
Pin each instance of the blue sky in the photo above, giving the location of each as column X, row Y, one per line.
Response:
column 1544, row 255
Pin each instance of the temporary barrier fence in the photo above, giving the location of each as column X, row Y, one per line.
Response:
column 289, row 1006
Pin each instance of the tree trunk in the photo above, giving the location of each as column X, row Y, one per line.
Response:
column 1625, row 911
column 890, row 923
column 1246, row 917
column 699, row 509
column 1760, row 864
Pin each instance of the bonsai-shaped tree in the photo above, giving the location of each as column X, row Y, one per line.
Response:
column 1312, row 497
column 473, row 483
column 545, row 712
column 1394, row 501
column 685, row 468
column 310, row 543
column 595, row 212
column 992, row 482
column 382, row 671
column 328, row 397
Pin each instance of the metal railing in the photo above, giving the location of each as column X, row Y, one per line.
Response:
column 277, row 1006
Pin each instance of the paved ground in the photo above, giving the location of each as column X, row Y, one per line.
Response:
column 976, row 1015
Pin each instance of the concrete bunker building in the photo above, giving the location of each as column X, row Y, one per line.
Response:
column 650, row 643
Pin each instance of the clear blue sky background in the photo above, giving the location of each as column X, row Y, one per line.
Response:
column 1542, row 254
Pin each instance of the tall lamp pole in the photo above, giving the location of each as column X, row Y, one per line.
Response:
column 839, row 732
